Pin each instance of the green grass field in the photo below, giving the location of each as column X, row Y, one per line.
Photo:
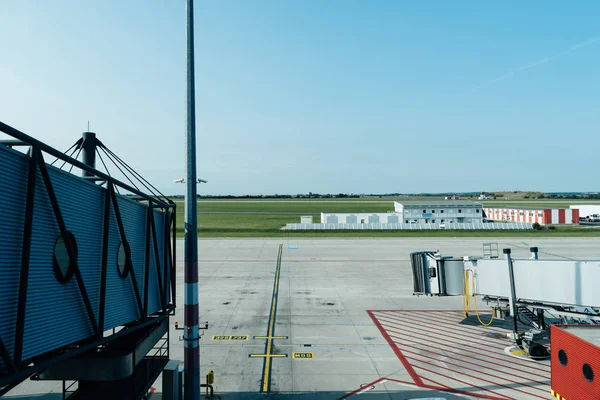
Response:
column 231, row 223
column 301, row 206
column 235, row 218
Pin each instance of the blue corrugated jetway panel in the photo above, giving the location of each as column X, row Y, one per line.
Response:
column 55, row 313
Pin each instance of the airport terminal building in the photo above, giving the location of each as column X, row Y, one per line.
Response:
column 439, row 211
column 414, row 212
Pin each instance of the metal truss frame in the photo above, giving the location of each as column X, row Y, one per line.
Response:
column 17, row 368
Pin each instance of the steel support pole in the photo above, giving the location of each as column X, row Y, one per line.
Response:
column 191, row 340
column 513, row 296
column 88, row 154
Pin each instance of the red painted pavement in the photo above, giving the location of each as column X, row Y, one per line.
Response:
column 441, row 353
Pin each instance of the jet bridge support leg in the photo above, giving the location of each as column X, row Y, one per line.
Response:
column 513, row 297
column 540, row 319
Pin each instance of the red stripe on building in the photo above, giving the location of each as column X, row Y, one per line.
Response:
column 575, row 215
column 547, row 217
column 561, row 216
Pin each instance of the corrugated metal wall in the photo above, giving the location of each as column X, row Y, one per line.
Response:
column 55, row 314
column 121, row 305
column 14, row 178
column 153, row 281
column 134, row 222
column 50, row 303
column 569, row 380
column 159, row 222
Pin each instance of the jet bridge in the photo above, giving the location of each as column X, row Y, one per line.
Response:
column 537, row 292
column 434, row 274
column 562, row 285
column 87, row 275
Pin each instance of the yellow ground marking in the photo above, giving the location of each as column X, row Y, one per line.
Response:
column 303, row 355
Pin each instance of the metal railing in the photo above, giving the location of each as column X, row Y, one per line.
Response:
column 418, row 227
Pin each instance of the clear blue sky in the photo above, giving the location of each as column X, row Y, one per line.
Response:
column 322, row 96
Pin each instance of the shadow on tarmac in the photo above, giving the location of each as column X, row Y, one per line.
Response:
column 416, row 394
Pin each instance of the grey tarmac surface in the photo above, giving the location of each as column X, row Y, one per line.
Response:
column 326, row 288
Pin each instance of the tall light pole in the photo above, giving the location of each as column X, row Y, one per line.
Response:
column 191, row 357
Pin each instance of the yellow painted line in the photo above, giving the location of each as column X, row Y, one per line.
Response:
column 267, row 355
column 221, row 337
column 517, row 352
column 303, row 355
column 267, row 370
column 270, row 337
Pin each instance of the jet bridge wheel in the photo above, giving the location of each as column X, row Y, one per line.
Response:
column 538, row 351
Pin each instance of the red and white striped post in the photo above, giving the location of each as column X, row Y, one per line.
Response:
column 191, row 357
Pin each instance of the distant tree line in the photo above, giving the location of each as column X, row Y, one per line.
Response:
column 569, row 196
column 474, row 195
column 276, row 196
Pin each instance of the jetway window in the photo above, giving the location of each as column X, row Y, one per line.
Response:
column 63, row 265
column 588, row 372
column 562, row 357
column 123, row 259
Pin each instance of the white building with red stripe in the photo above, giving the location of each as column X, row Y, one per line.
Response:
column 543, row 216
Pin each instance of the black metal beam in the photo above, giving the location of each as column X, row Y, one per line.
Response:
column 58, row 154
column 166, row 255
column 105, row 232
column 147, row 258
column 136, row 289
column 174, row 256
column 5, row 356
column 25, row 254
column 157, row 259
column 68, row 244
column 92, row 178
column 11, row 143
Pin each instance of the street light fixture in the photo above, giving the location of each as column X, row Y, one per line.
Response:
column 182, row 180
